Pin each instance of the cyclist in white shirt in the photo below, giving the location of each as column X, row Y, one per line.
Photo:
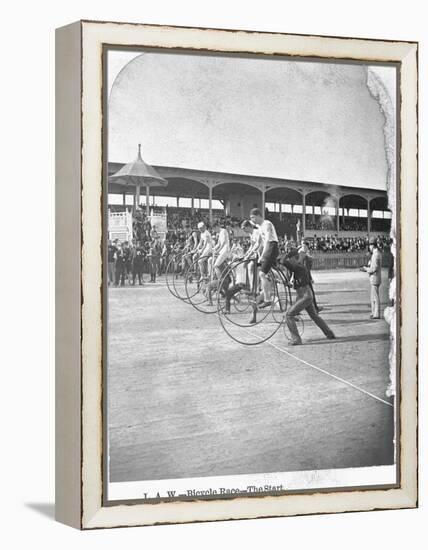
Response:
column 221, row 250
column 192, row 241
column 256, row 247
column 256, row 244
column 204, row 247
column 244, row 273
column 268, row 255
column 221, row 253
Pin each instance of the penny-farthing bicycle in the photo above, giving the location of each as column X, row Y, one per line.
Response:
column 176, row 272
column 240, row 314
column 172, row 270
column 203, row 289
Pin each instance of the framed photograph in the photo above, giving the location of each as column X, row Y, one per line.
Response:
column 236, row 322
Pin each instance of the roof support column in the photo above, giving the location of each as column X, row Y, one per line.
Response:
column 303, row 215
column 369, row 219
column 210, row 183
column 147, row 200
column 137, row 195
column 210, row 195
column 263, row 191
column 337, row 215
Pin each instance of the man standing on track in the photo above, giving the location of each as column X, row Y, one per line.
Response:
column 154, row 257
column 112, row 249
column 138, row 257
column 304, row 299
column 306, row 260
column 122, row 258
column 374, row 270
column 268, row 256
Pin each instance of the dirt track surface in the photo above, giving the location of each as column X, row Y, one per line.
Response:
column 184, row 400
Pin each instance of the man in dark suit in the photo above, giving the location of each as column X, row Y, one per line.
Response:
column 122, row 261
column 138, row 258
column 304, row 298
column 374, row 270
column 111, row 254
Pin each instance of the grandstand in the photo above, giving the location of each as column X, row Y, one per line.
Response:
column 320, row 209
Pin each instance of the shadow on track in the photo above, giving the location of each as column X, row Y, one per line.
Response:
column 342, row 339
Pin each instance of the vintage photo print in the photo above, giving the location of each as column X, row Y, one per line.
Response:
column 250, row 272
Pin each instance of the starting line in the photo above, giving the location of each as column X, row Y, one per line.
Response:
column 331, row 375
column 319, row 369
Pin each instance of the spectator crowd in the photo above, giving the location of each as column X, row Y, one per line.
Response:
column 333, row 243
column 128, row 261
column 148, row 254
column 181, row 218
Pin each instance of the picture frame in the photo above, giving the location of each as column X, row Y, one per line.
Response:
column 80, row 271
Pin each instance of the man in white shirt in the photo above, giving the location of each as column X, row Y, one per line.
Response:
column 374, row 270
column 221, row 253
column 269, row 254
column 255, row 250
column 192, row 239
column 256, row 243
column 244, row 272
column 204, row 248
column 221, row 250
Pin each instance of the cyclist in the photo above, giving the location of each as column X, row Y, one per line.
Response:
column 204, row 248
column 268, row 255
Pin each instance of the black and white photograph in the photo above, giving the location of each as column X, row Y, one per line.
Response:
column 250, row 272
column 219, row 337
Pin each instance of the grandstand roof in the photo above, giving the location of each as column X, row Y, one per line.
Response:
column 185, row 182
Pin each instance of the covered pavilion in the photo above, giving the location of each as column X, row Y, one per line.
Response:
column 238, row 193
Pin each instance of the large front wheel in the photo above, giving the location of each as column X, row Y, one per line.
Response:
column 241, row 315
column 171, row 273
column 201, row 286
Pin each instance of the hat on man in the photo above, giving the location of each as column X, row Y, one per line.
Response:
column 373, row 240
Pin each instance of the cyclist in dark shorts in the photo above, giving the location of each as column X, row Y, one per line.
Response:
column 268, row 256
